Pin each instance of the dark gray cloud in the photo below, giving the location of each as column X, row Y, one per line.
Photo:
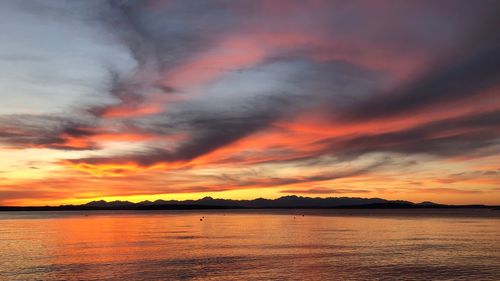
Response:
column 206, row 130
column 463, row 135
column 43, row 131
column 159, row 38
column 466, row 69
column 464, row 77
column 217, row 121
column 321, row 177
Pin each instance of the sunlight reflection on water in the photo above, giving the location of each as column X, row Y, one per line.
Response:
column 250, row 245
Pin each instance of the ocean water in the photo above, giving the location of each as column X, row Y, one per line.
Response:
column 251, row 245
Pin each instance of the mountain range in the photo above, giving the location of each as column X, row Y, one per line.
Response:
column 285, row 202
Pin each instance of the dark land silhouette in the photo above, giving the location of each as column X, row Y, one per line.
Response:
column 285, row 202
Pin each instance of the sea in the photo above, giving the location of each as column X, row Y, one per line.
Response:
column 421, row 244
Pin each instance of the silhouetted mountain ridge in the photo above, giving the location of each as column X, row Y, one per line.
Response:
column 282, row 202
column 285, row 202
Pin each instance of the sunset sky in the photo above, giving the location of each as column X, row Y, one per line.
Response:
column 145, row 100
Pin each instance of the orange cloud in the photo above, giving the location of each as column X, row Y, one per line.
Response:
column 447, row 191
column 125, row 110
column 229, row 54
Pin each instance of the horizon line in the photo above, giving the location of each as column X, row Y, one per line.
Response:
column 396, row 201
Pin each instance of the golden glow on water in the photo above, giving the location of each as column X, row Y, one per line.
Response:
column 250, row 245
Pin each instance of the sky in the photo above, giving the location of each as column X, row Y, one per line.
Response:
column 146, row 100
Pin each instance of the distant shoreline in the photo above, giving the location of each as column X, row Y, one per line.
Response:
column 285, row 202
column 209, row 207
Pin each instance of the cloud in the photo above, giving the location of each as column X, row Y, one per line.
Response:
column 210, row 126
column 324, row 190
column 43, row 131
column 446, row 191
column 9, row 197
column 161, row 39
column 462, row 135
column 334, row 174
column 135, row 87
column 465, row 76
column 57, row 57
